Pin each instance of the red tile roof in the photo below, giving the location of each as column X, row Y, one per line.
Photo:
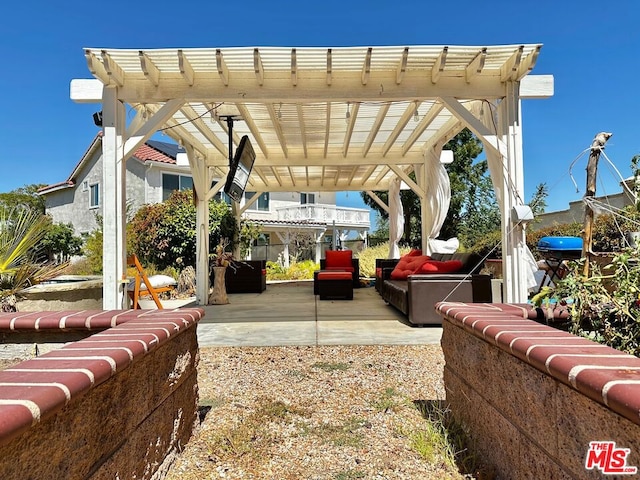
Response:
column 145, row 153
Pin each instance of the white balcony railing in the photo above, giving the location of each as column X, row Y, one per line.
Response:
column 342, row 216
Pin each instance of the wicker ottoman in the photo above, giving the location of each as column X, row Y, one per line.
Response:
column 334, row 285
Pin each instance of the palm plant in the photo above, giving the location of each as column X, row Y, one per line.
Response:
column 21, row 230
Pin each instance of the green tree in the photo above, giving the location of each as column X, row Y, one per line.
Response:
column 60, row 243
column 164, row 234
column 472, row 201
column 26, row 196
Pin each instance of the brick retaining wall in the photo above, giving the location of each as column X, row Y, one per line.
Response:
column 534, row 397
column 117, row 404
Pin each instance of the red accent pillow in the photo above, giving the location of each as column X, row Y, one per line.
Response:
column 434, row 266
column 415, row 253
column 338, row 259
column 407, row 266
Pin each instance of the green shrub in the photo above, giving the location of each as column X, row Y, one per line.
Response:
column 164, row 234
column 296, row 271
column 367, row 258
column 604, row 307
column 302, row 270
column 488, row 246
column 609, row 230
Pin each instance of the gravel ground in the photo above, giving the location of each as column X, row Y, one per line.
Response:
column 343, row 412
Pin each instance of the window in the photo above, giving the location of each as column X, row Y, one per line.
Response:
column 307, row 198
column 171, row 182
column 262, row 204
column 94, row 195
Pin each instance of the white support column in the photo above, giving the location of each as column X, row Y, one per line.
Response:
column 507, row 174
column 285, row 239
column 113, row 202
column 201, row 182
column 319, row 234
column 515, row 239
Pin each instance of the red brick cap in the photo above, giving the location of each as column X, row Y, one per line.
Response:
column 36, row 389
column 605, row 375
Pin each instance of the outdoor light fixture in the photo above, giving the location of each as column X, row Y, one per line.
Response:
column 416, row 115
column 348, row 114
column 97, row 118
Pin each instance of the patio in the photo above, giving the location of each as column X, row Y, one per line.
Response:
column 288, row 313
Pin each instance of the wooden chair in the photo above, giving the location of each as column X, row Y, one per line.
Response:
column 151, row 285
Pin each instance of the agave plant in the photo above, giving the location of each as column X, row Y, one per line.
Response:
column 21, row 231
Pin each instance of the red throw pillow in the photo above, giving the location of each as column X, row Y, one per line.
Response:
column 434, row 266
column 415, row 253
column 338, row 259
column 407, row 266
column 428, row 267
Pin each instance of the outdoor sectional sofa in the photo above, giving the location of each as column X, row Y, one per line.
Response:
column 428, row 280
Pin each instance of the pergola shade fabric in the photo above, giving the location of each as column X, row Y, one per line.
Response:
column 319, row 119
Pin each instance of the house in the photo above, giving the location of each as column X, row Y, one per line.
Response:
column 156, row 170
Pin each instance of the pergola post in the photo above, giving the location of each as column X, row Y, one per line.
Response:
column 113, row 201
column 513, row 233
column 318, row 238
column 201, row 183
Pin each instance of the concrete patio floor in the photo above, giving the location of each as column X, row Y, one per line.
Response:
column 290, row 314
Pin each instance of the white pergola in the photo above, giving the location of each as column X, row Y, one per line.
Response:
column 319, row 119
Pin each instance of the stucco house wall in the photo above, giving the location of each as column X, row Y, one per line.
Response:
column 575, row 212
column 70, row 201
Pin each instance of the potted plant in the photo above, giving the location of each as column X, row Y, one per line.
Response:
column 219, row 260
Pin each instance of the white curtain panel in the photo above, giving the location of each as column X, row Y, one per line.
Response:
column 396, row 219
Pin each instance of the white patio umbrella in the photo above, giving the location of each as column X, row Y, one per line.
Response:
column 396, row 218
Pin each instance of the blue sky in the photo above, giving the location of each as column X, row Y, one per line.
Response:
column 592, row 49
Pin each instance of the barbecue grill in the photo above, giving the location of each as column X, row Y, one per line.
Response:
column 555, row 251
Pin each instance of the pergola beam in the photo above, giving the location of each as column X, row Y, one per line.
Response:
column 186, row 70
column 221, row 66
column 277, row 89
column 475, row 66
column 353, row 115
column 438, row 66
column 402, row 67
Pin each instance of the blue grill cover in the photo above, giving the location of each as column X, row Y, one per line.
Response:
column 560, row 244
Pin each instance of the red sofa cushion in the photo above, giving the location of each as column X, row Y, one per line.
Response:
column 335, row 275
column 408, row 266
column 340, row 269
column 338, row 259
column 435, row 266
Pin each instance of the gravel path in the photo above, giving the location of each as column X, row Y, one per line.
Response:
column 340, row 412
